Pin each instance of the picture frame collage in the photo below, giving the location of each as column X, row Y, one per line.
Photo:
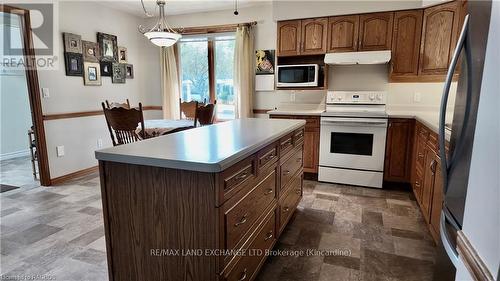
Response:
column 94, row 60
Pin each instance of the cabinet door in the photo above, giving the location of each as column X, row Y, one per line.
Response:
column 437, row 202
column 314, row 34
column 343, row 34
column 428, row 186
column 289, row 35
column 398, row 150
column 406, row 43
column 375, row 31
column 311, row 156
column 439, row 36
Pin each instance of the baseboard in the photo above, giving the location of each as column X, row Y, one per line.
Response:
column 15, row 154
column 74, row 175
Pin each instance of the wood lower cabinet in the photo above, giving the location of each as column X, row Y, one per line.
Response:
column 406, row 44
column 174, row 224
column 439, row 36
column 311, row 140
column 343, row 34
column 437, row 202
column 289, row 37
column 430, row 163
column 375, row 31
column 399, row 146
column 314, row 35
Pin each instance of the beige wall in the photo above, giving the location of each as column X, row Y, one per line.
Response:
column 68, row 94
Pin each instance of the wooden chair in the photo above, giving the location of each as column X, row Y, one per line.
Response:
column 117, row 104
column 205, row 115
column 122, row 124
column 188, row 109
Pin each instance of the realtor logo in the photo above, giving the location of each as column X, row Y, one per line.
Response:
column 43, row 33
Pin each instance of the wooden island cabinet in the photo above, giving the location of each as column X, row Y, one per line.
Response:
column 179, row 209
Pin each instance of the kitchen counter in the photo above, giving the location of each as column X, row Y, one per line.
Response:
column 428, row 118
column 205, row 149
column 310, row 112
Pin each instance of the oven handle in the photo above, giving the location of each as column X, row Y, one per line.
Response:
column 354, row 122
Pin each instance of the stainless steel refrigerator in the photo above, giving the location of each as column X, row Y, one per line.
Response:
column 470, row 53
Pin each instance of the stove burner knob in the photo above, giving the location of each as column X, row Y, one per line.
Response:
column 372, row 97
column 339, row 98
column 379, row 97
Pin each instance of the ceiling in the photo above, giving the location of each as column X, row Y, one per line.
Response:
column 177, row 7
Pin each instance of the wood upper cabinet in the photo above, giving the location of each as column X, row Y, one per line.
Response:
column 406, row 43
column 439, row 37
column 375, row 31
column 289, row 36
column 314, row 35
column 398, row 150
column 343, row 34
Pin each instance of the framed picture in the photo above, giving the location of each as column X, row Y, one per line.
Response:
column 72, row 43
column 129, row 71
column 90, row 51
column 264, row 62
column 106, row 68
column 107, row 47
column 74, row 64
column 92, row 73
column 119, row 73
column 122, row 55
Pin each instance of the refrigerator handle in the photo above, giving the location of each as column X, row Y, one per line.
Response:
column 463, row 43
column 445, row 239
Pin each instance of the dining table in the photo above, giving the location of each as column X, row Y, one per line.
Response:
column 159, row 127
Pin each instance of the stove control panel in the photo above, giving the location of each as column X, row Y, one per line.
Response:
column 355, row 97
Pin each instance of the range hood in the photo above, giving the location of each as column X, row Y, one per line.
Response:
column 350, row 58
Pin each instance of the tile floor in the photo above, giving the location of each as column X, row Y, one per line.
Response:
column 17, row 172
column 58, row 232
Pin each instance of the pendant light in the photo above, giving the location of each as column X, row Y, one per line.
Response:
column 161, row 34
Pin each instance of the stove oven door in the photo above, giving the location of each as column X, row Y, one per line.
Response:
column 353, row 143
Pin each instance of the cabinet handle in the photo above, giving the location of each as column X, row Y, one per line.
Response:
column 298, row 191
column 269, row 235
column 243, row 275
column 433, row 166
column 269, row 157
column 242, row 176
column 242, row 221
column 287, row 143
column 286, row 209
column 420, row 155
column 269, row 191
column 417, row 184
column 299, row 160
column 286, row 172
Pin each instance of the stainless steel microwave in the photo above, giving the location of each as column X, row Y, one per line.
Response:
column 297, row 75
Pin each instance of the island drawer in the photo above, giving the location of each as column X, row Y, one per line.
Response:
column 268, row 155
column 298, row 137
column 291, row 166
column 246, row 268
column 241, row 213
column 286, row 144
column 289, row 200
column 237, row 176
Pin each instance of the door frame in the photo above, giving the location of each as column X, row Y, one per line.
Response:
column 33, row 93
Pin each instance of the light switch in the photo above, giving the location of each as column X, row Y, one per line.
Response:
column 60, row 150
column 416, row 97
column 45, row 93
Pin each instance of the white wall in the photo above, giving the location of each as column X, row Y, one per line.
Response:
column 482, row 206
column 68, row 94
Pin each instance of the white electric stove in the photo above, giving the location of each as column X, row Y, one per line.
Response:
column 353, row 134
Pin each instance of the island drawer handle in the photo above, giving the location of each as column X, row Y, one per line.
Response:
column 244, row 275
column 286, row 209
column 286, row 172
column 269, row 191
column 242, row 221
column 287, row 143
column 269, row 235
column 242, row 176
column 269, row 157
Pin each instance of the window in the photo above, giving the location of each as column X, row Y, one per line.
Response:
column 206, row 70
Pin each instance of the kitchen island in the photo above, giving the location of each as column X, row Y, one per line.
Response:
column 201, row 204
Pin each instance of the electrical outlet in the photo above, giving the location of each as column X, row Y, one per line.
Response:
column 416, row 97
column 45, row 93
column 60, row 150
column 292, row 97
column 99, row 143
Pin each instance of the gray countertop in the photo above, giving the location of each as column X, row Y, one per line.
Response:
column 311, row 112
column 205, row 149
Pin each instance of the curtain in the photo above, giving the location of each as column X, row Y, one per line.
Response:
column 170, row 83
column 244, row 71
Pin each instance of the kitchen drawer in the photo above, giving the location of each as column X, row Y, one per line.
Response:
column 420, row 152
column 237, row 176
column 291, row 166
column 268, row 155
column 247, row 266
column 432, row 141
column 289, row 200
column 298, row 137
column 417, row 186
column 286, row 144
column 240, row 214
